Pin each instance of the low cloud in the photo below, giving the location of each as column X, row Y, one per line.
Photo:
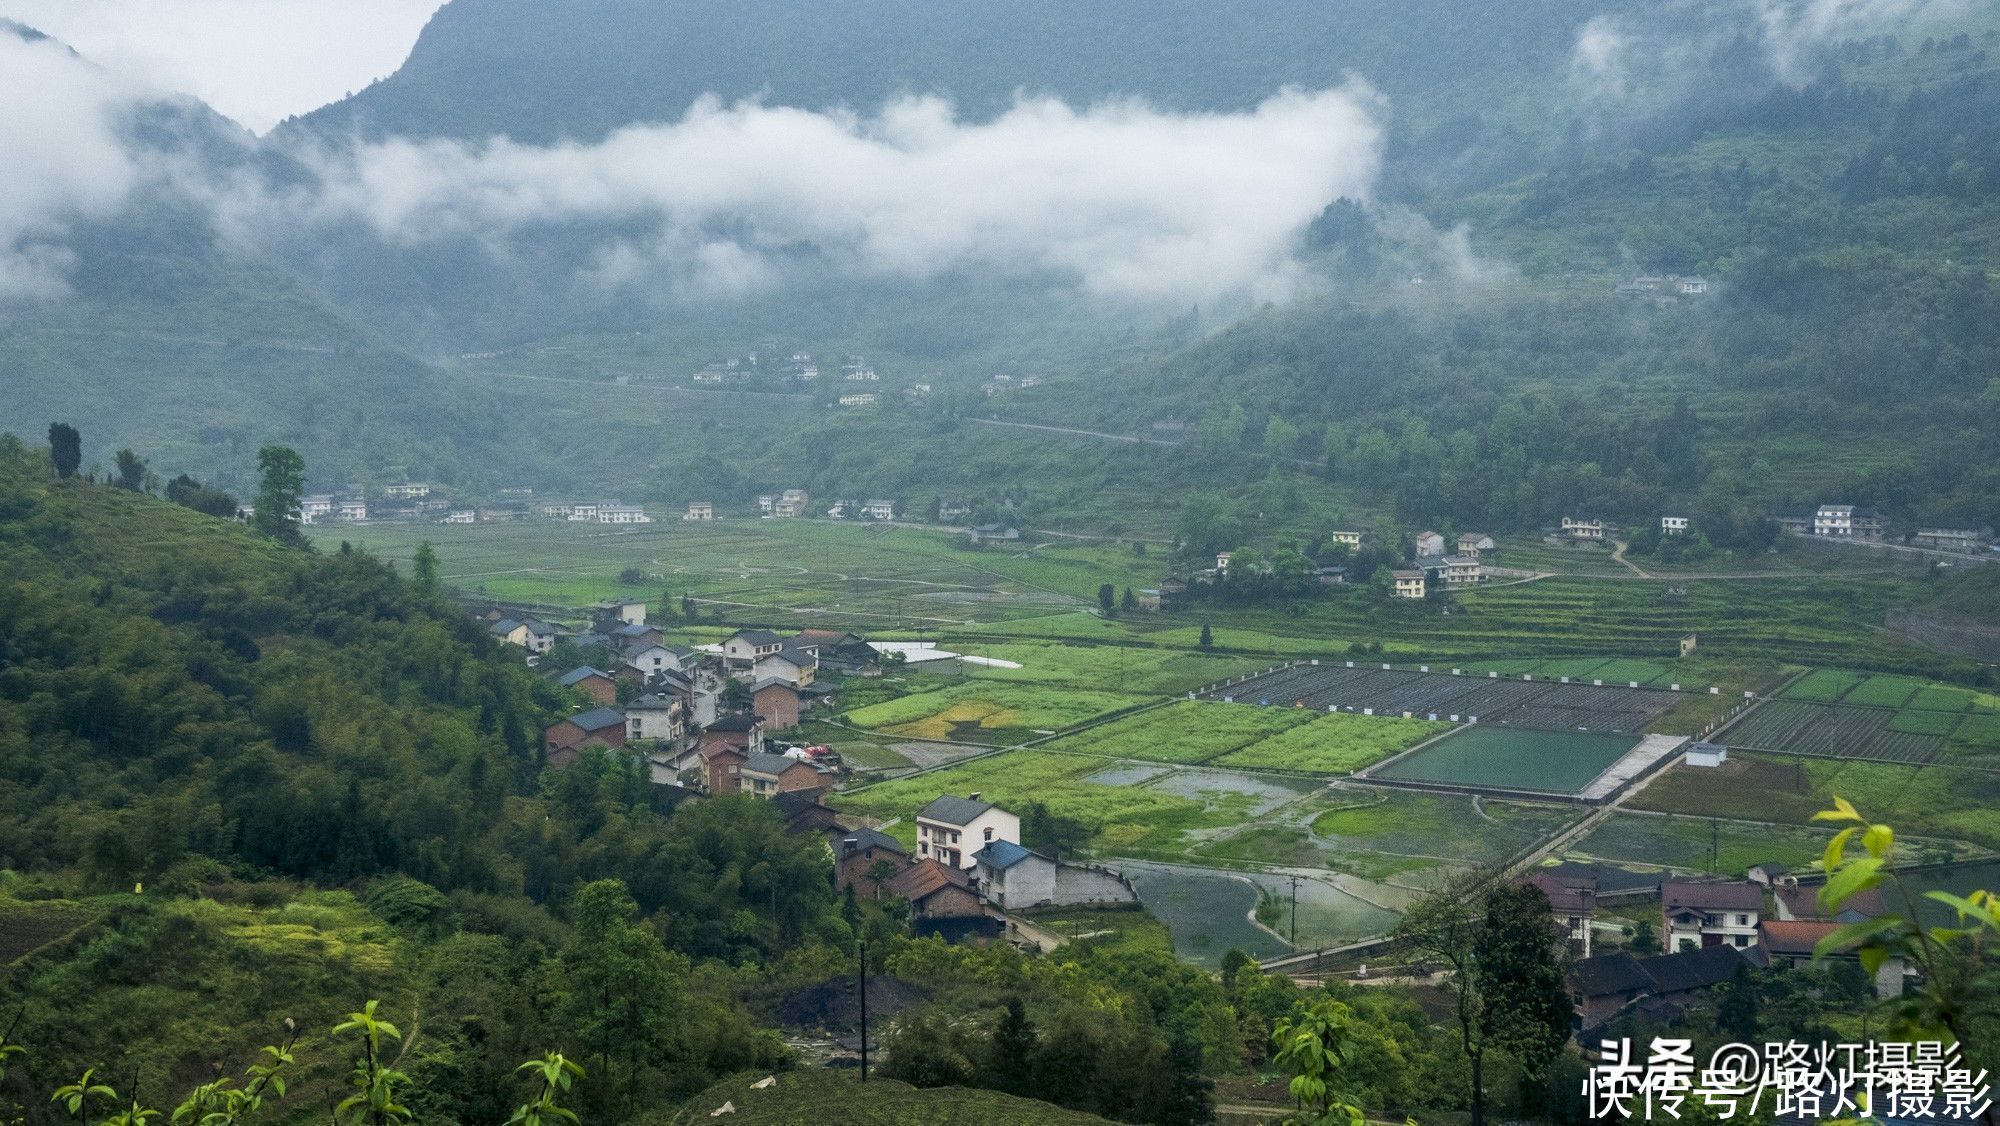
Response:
column 61, row 159
column 1121, row 199
column 1796, row 30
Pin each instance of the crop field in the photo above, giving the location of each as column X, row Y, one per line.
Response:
column 784, row 571
column 1185, row 731
column 1542, row 704
column 1944, row 802
column 1109, row 668
column 1685, row 843
column 1555, row 762
column 1398, row 835
column 1339, row 743
column 1610, row 670
column 1147, row 819
column 1836, row 731
column 1206, row 911
column 987, row 711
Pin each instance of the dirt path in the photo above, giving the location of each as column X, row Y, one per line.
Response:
column 1618, row 553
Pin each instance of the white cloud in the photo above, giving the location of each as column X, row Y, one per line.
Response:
column 1125, row 200
column 60, row 159
column 1795, row 29
column 1599, row 62
column 258, row 61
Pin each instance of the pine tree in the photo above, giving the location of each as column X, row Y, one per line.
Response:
column 1190, row 1095
column 65, row 449
column 1010, row 1064
column 1207, row 637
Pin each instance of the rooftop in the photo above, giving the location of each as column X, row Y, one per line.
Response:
column 953, row 810
column 597, row 719
column 1733, row 895
column 1003, row 854
column 578, row 675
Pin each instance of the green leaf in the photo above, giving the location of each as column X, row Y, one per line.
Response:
column 1878, row 840
column 1854, row 877
column 1836, row 849
column 1843, row 810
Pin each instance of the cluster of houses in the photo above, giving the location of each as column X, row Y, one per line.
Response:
column 1433, row 568
column 798, row 367
column 968, row 870
column 1848, row 522
column 404, row 500
column 1707, row 929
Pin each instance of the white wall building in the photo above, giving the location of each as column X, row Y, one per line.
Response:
column 951, row 829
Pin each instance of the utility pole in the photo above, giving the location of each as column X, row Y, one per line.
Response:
column 1295, row 912
column 863, row 960
column 1714, row 843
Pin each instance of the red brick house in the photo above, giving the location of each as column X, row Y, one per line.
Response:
column 857, row 856
column 720, row 767
column 599, row 686
column 767, row 776
column 935, row 891
column 776, row 702
column 603, row 727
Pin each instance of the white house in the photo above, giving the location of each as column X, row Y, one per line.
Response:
column 1691, row 286
column 790, row 504
column 461, row 516
column 743, row 649
column 651, row 660
column 655, row 717
column 1673, row 525
column 859, row 399
column 1430, row 543
column 353, row 510
column 313, row 507
column 1457, row 570
column 1409, row 584
column 612, row 513
column 700, row 510
column 1582, row 529
column 1710, row 914
column 1834, row 520
column 791, row 666
column 1347, row 539
column 583, row 513
column 1472, row 543
column 951, row 829
column 879, row 510
column 407, row 490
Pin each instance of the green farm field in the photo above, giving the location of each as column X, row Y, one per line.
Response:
column 1146, row 670
column 1340, row 743
column 988, row 711
column 1557, row 762
column 1155, row 818
column 1185, row 731
column 1939, row 801
column 1685, row 843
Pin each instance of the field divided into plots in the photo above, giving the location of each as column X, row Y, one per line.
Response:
column 1541, row 704
column 1833, row 713
column 988, row 711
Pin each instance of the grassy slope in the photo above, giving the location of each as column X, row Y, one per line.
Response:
column 821, row 1098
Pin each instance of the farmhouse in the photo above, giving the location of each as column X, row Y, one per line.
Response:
column 1578, row 529
column 1797, row 943
column 993, row 533
column 311, row 508
column 879, row 510
column 699, row 510
column 628, row 611
column 777, row 702
column 941, row 899
column 603, row 727
column 582, row 513
column 743, row 649
column 612, row 513
column 1429, row 543
column 1573, row 903
column 951, row 829
column 767, row 775
column 1409, row 584
column 1014, row 878
column 1844, row 521
column 460, row 516
column 352, row 509
column 1472, row 543
column 866, row 860
column 1673, row 525
column 1709, row 914
column 655, row 717
column 791, row 504
column 650, row 659
column 859, row 399
column 597, row 685
column 1950, row 539
column 950, row 510
column 1604, row 985
column 834, row 649
column 805, row 813
column 1454, row 571
column 407, row 490
column 1345, row 539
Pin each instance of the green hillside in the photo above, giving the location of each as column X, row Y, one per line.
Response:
column 817, row 1098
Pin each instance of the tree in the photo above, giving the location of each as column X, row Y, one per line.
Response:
column 1736, row 1012
column 1313, row 1044
column 1010, row 1058
column 131, row 471
column 190, row 493
column 283, row 480
column 424, row 568
column 65, row 449
column 1107, row 598
column 1189, row 1098
column 1644, row 937
column 1128, row 601
column 1207, row 640
column 1446, row 927
column 1526, row 1008
column 926, row 1052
